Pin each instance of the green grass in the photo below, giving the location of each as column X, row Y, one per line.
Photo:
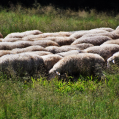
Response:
column 42, row 99
column 58, row 100
column 49, row 19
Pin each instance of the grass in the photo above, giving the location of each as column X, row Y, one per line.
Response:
column 39, row 98
column 49, row 19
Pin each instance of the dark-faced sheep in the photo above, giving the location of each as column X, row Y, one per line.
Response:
column 95, row 40
column 83, row 64
column 105, row 51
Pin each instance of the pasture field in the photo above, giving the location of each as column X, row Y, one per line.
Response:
column 57, row 99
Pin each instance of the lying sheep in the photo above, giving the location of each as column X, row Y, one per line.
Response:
column 105, row 51
column 55, row 49
column 60, row 40
column 83, row 46
column 28, row 49
column 23, row 34
column 95, row 40
column 112, row 42
column 81, row 33
column 1, row 36
column 4, row 52
column 104, row 28
column 85, row 64
column 21, row 64
column 44, row 35
column 50, row 60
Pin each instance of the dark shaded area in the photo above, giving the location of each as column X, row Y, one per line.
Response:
column 101, row 5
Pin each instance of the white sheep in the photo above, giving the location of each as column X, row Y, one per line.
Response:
column 50, row 60
column 112, row 42
column 95, row 40
column 28, row 49
column 83, row 46
column 113, row 60
column 23, row 34
column 79, row 34
column 82, row 64
column 105, row 51
column 60, row 40
column 55, row 49
column 21, row 64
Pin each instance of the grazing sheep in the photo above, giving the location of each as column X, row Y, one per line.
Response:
column 112, row 42
column 81, row 33
column 50, row 60
column 82, row 64
column 95, row 40
column 1, row 36
column 28, row 49
column 113, row 60
column 21, row 64
column 60, row 40
column 55, row 49
column 105, row 51
column 23, row 34
column 11, row 39
column 44, row 35
column 12, row 45
column 45, row 43
column 74, row 52
column 83, row 46
column 112, row 35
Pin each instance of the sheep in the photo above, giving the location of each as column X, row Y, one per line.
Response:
column 12, row 45
column 55, row 49
column 45, row 43
column 83, row 46
column 104, row 28
column 64, row 54
column 105, row 51
column 81, row 33
column 28, row 49
column 96, row 40
column 1, row 36
column 85, row 64
column 112, row 35
column 21, row 64
column 60, row 40
column 11, row 39
column 50, row 60
column 44, row 35
column 4, row 52
column 23, row 34
column 113, row 60
column 112, row 42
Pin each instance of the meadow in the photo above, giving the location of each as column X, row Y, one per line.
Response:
column 57, row 99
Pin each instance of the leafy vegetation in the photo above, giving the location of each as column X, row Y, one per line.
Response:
column 40, row 98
